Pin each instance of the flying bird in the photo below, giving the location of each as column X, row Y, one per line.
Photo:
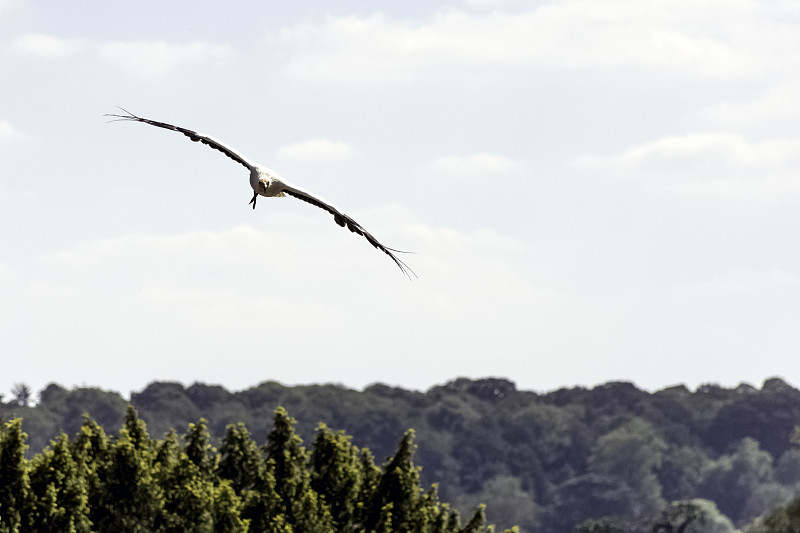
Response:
column 267, row 182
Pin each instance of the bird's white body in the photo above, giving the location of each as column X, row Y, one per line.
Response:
column 266, row 182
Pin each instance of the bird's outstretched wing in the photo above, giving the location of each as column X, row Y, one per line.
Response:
column 347, row 222
column 193, row 135
column 340, row 218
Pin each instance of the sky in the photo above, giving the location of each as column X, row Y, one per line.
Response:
column 593, row 190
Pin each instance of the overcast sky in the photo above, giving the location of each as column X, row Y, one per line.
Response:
column 594, row 190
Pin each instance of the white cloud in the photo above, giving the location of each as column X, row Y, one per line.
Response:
column 498, row 4
column 317, row 150
column 710, row 151
column 710, row 39
column 300, row 300
column 711, row 164
column 767, row 191
column 744, row 282
column 744, row 317
column 295, row 289
column 46, row 46
column 142, row 59
column 9, row 133
column 780, row 104
column 481, row 163
column 152, row 59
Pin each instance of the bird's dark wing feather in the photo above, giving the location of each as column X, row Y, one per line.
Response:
column 193, row 135
column 347, row 222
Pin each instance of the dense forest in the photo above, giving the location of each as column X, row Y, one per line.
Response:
column 133, row 483
column 610, row 458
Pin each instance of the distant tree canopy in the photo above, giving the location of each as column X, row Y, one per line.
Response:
column 134, row 483
column 601, row 457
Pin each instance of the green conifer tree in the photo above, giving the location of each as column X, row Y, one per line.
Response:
column 240, row 460
column 477, row 523
column 288, row 460
column 263, row 507
column 227, row 510
column 399, row 486
column 448, row 521
column 335, row 475
column 369, row 480
column 14, row 485
column 136, row 430
column 188, row 498
column 167, row 453
column 91, row 445
column 199, row 450
column 136, row 484
column 60, row 498
column 91, row 454
column 132, row 500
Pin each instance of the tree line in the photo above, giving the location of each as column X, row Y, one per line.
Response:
column 134, row 483
column 549, row 462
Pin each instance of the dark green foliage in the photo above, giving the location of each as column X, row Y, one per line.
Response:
column 695, row 516
column 732, row 481
column 59, row 483
column 335, row 475
column 678, row 517
column 287, row 461
column 369, row 478
column 186, row 478
column 227, row 510
column 603, row 525
column 784, row 520
column 240, row 460
column 477, row 523
column 768, row 417
column 631, row 454
column 133, row 483
column 14, row 484
column 588, row 496
column 91, row 451
column 399, row 488
column 199, row 450
column 131, row 497
column 548, row 462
